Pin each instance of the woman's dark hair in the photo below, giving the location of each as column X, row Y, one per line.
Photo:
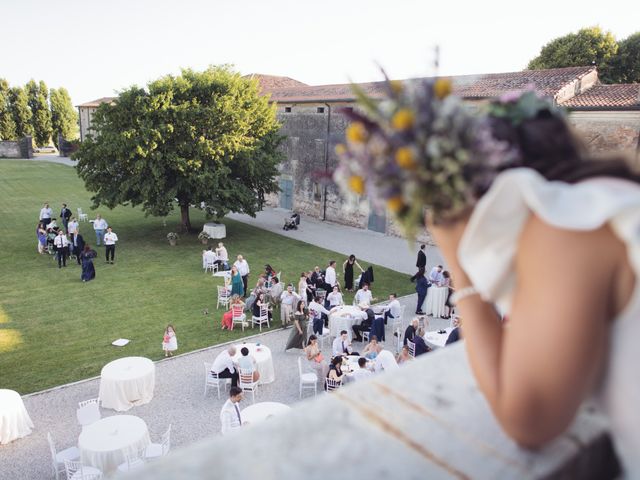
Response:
column 300, row 302
column 312, row 337
column 352, row 257
column 337, row 360
column 244, row 351
column 87, row 248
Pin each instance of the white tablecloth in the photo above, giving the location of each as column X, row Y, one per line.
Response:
column 434, row 303
column 215, row 230
column 127, row 382
column 103, row 444
column 264, row 361
column 343, row 319
column 259, row 412
column 435, row 339
column 14, row 420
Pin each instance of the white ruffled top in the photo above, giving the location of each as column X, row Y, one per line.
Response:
column 487, row 254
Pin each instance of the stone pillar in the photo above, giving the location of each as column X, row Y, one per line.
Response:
column 26, row 147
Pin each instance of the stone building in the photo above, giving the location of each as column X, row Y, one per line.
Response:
column 608, row 117
column 85, row 114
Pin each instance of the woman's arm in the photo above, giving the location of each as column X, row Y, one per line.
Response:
column 358, row 265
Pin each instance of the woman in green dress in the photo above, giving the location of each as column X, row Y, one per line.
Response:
column 237, row 287
column 298, row 336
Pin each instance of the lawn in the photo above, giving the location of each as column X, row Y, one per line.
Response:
column 55, row 329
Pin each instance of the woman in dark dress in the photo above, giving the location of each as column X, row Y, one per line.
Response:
column 347, row 269
column 298, row 335
column 88, row 270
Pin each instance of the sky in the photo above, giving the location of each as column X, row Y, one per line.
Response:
column 97, row 48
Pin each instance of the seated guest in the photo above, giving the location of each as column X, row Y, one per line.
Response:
column 224, row 367
column 365, row 326
column 315, row 357
column 404, row 356
column 208, row 257
column 411, row 330
column 259, row 288
column 335, row 369
column 317, row 309
column 385, row 361
column 260, row 301
column 230, row 417
column 275, row 292
column 393, row 309
column 362, row 373
column 342, row 345
column 377, row 328
column 335, row 297
column 317, row 278
column 454, row 336
column 372, row 349
column 421, row 346
column 364, row 296
column 227, row 317
column 222, row 257
column 247, row 362
column 288, row 299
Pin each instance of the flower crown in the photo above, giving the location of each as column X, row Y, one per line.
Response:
column 421, row 147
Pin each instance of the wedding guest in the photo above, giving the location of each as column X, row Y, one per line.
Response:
column 65, row 215
column 208, row 257
column 422, row 285
column 41, row 233
column 243, row 268
column 227, row 317
column 342, row 345
column 362, row 373
column 385, row 362
column 222, row 256
column 317, row 309
column 110, row 239
column 435, row 276
column 367, row 316
column 403, row 356
column 347, row 270
column 169, row 341
column 372, row 349
column 275, row 292
column 455, row 334
column 78, row 245
column 421, row 346
column 335, row 298
column 421, row 262
column 364, row 296
column 330, row 277
column 61, row 244
column 99, row 225
column 223, row 365
column 237, row 287
column 88, row 270
column 247, row 362
column 315, row 357
column 230, row 417
column 335, row 369
column 260, row 301
column 411, row 330
column 302, row 287
column 74, row 226
column 45, row 215
column 287, row 301
column 298, row 335
column 393, row 309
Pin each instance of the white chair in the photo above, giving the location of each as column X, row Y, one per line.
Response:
column 211, row 379
column 59, row 458
column 332, row 384
column 223, row 297
column 82, row 217
column 78, row 471
column 263, row 318
column 156, row 450
column 412, row 348
column 210, row 264
column 88, row 412
column 308, row 380
column 133, row 460
column 247, row 384
column 238, row 316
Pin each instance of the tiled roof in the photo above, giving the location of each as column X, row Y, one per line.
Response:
column 98, row 102
column 548, row 82
column 607, row 96
column 272, row 82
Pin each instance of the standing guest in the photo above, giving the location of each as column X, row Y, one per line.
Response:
column 311, row 286
column 421, row 345
column 393, row 309
column 227, row 317
column 303, row 291
column 230, row 418
column 364, row 296
column 298, row 335
column 342, row 345
column 223, row 256
column 247, row 362
column 99, row 225
column 74, row 226
column 77, row 241
column 88, row 270
column 362, row 373
column 435, row 276
column 330, row 277
column 317, row 278
column 45, row 215
column 65, row 215
column 335, row 298
column 276, row 291
column 411, row 331
column 169, row 341
column 403, row 356
column 447, row 281
column 315, row 357
column 237, row 288
column 61, row 243
column 421, row 262
column 243, row 268
column 52, row 226
column 41, row 233
column 223, row 365
column 347, row 270
column 287, row 301
column 110, row 239
column 317, row 309
column 422, row 285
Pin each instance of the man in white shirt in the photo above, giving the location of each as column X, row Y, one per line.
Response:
column 99, row 225
column 362, row 373
column 330, row 277
column 225, row 368
column 110, row 239
column 342, row 346
column 73, row 227
column 335, row 298
column 230, row 417
column 62, row 248
column 393, row 309
column 223, row 256
column 435, row 276
column 385, row 361
column 243, row 268
column 45, row 215
column 364, row 296
column 208, row 257
column 317, row 310
column 287, row 304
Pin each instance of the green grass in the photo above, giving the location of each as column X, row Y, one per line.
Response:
column 55, row 329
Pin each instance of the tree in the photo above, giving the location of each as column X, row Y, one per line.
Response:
column 199, row 138
column 64, row 119
column 7, row 124
column 587, row 47
column 38, row 93
column 626, row 65
column 19, row 106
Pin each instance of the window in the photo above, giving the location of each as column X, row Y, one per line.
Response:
column 320, row 110
column 287, row 109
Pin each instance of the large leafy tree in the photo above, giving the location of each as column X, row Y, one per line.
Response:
column 64, row 119
column 38, row 94
column 7, row 124
column 586, row 47
column 19, row 106
column 202, row 138
column 625, row 66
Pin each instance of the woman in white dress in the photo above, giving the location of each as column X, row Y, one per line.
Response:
column 551, row 237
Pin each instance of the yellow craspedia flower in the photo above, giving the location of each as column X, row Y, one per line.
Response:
column 405, row 158
column 356, row 132
column 395, row 204
column 340, row 149
column 356, row 184
column 442, row 87
column 396, row 86
column 403, row 119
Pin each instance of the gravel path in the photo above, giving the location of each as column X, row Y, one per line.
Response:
column 178, row 400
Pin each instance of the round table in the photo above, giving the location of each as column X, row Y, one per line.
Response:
column 126, row 382
column 14, row 420
column 103, row 444
column 435, row 339
column 264, row 361
column 344, row 318
column 215, row 230
column 259, row 412
column 434, row 304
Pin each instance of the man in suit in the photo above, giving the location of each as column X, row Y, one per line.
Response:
column 62, row 248
column 230, row 417
column 421, row 262
column 421, row 345
column 78, row 246
column 65, row 215
column 422, row 284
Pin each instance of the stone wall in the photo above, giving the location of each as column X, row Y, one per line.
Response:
column 9, row 149
column 609, row 131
